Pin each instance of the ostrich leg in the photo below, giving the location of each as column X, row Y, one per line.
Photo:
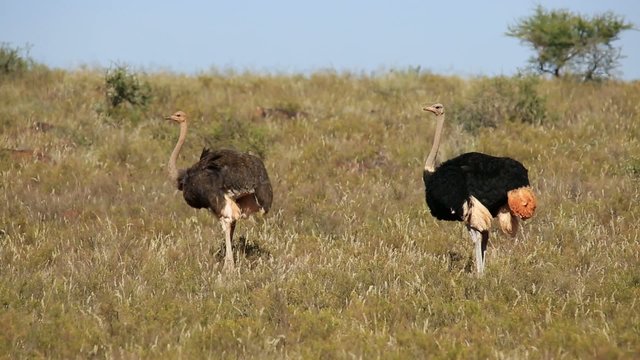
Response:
column 485, row 242
column 480, row 239
column 229, row 226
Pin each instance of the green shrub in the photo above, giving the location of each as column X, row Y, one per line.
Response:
column 123, row 86
column 490, row 102
column 633, row 168
column 13, row 60
column 529, row 106
column 233, row 133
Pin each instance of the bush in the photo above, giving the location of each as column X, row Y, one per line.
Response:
column 13, row 60
column 122, row 86
column 490, row 102
column 235, row 134
column 633, row 168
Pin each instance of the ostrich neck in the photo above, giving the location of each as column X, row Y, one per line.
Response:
column 171, row 167
column 430, row 164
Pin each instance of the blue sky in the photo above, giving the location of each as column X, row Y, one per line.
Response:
column 448, row 37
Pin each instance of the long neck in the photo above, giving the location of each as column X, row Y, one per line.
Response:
column 171, row 166
column 430, row 164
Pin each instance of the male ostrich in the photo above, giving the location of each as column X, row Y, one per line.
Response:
column 233, row 185
column 474, row 188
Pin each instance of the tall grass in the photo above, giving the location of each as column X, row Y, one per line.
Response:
column 100, row 256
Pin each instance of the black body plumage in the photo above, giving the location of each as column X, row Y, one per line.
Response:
column 487, row 178
column 225, row 172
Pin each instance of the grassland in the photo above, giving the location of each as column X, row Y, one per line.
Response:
column 101, row 258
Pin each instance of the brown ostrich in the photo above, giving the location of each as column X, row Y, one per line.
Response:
column 232, row 184
column 474, row 188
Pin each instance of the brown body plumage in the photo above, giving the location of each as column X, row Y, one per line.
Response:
column 232, row 184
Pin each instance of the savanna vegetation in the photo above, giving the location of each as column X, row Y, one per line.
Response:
column 570, row 44
column 101, row 258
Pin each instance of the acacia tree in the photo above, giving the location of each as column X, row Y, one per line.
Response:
column 571, row 43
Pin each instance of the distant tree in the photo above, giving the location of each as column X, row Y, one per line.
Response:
column 571, row 43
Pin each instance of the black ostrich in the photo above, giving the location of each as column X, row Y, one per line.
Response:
column 475, row 188
column 233, row 185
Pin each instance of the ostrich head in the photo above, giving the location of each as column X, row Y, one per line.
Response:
column 437, row 109
column 178, row 116
column 181, row 118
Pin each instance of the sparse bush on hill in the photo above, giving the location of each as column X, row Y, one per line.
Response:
column 233, row 133
column 492, row 101
column 127, row 97
column 633, row 168
column 123, row 86
column 13, row 60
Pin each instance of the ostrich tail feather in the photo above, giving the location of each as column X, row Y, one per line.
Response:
column 508, row 222
column 522, row 202
column 476, row 215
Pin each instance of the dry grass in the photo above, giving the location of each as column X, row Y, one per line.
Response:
column 100, row 256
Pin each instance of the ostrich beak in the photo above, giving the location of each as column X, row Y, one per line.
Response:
column 429, row 109
column 167, row 117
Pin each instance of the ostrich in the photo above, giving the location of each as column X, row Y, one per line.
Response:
column 474, row 188
column 233, row 185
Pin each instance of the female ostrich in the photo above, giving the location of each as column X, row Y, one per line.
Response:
column 475, row 188
column 233, row 185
